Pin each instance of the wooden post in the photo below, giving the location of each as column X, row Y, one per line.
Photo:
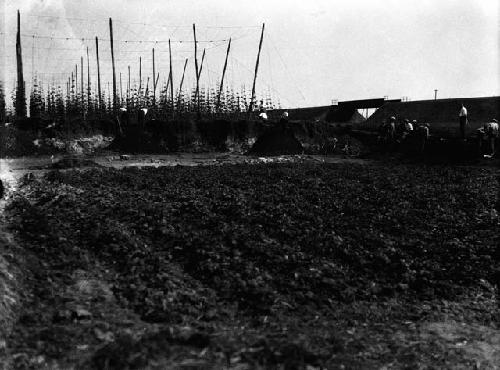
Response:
column 182, row 81
column 140, row 76
column 67, row 105
column 223, row 74
column 196, row 65
column 81, row 78
column 201, row 65
column 154, row 82
column 171, row 78
column 256, row 70
column 128, row 88
column 76, row 81
column 115, row 97
column 168, row 81
column 20, row 92
column 197, row 92
column 99, row 99
column 88, row 79
column 82, row 100
column 121, row 91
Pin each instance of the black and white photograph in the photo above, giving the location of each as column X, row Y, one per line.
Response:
column 249, row 185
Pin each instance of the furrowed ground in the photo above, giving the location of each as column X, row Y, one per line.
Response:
column 259, row 266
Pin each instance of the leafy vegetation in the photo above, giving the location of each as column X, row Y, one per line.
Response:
column 264, row 260
column 66, row 103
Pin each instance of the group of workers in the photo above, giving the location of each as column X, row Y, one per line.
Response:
column 416, row 135
column 488, row 133
column 404, row 131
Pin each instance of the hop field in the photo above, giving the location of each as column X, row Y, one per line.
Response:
column 257, row 266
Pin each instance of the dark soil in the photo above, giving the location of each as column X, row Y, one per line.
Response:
column 73, row 162
column 287, row 266
column 276, row 140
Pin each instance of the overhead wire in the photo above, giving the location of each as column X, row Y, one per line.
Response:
column 286, row 69
column 48, row 43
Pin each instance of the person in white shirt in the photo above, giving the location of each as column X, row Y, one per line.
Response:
column 408, row 125
column 462, row 117
column 263, row 115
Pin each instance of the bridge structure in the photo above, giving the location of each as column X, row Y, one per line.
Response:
column 341, row 112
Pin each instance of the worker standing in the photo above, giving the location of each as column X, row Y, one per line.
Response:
column 462, row 117
column 390, row 128
column 491, row 131
column 423, row 136
column 263, row 114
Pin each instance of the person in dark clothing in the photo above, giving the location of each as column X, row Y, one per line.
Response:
column 389, row 129
column 422, row 132
column 491, row 131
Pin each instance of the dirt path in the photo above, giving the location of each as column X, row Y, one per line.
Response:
column 13, row 169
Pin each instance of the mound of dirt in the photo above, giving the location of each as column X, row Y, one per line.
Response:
column 276, row 141
column 16, row 143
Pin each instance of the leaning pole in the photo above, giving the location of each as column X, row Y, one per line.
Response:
column 250, row 107
column 223, row 74
column 115, row 97
column 20, row 91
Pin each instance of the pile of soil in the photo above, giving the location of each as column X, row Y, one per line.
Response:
column 276, row 141
column 16, row 143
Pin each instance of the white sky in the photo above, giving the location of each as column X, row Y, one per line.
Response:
column 314, row 51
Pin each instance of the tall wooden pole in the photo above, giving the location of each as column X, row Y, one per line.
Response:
column 67, row 103
column 171, row 78
column 128, row 87
column 76, row 81
column 67, row 88
column 168, row 81
column 223, row 74
column 115, row 97
column 196, row 67
column 197, row 92
column 81, row 78
column 82, row 99
column 182, row 81
column 140, row 75
column 20, row 92
column 121, row 90
column 154, row 82
column 256, row 70
column 88, row 79
column 201, row 65
column 99, row 99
